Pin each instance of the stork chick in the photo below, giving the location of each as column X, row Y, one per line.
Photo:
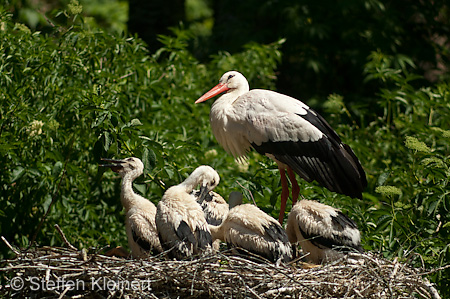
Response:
column 182, row 227
column 248, row 227
column 322, row 231
column 140, row 212
column 214, row 207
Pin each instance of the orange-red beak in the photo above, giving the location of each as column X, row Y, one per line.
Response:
column 219, row 88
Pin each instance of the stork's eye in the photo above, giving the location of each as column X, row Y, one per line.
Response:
column 230, row 76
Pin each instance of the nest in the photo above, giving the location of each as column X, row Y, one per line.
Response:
column 54, row 272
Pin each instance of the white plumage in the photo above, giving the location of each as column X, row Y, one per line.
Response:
column 247, row 227
column 286, row 130
column 322, row 231
column 181, row 224
column 140, row 212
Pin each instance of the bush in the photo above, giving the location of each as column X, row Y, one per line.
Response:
column 77, row 94
column 404, row 147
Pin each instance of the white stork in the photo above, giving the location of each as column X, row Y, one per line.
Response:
column 182, row 227
column 247, row 227
column 214, row 207
column 322, row 231
column 286, row 130
column 140, row 212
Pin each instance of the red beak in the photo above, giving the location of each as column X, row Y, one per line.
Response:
column 219, row 88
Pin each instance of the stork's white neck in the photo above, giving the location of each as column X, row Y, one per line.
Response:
column 225, row 113
column 128, row 197
column 190, row 183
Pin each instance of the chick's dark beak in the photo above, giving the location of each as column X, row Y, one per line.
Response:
column 203, row 193
column 115, row 165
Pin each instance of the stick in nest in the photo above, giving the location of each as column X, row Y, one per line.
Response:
column 63, row 236
column 10, row 247
column 219, row 275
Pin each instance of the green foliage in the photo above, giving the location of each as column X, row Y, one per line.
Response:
column 78, row 94
column 111, row 15
column 388, row 190
column 405, row 152
column 328, row 42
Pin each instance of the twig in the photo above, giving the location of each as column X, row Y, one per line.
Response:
column 251, row 195
column 10, row 247
column 432, row 289
column 219, row 275
column 64, row 293
column 124, row 76
column 394, row 272
column 63, row 236
column 436, row 270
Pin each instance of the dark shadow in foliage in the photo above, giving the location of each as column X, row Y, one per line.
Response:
column 327, row 43
column 152, row 18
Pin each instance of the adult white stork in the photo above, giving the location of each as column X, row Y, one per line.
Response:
column 322, row 231
column 248, row 227
column 140, row 212
column 182, row 227
column 286, row 130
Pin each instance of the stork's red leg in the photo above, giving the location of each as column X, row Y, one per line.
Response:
column 284, row 194
column 295, row 187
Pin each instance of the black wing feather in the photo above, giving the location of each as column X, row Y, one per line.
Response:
column 323, row 242
column 276, row 233
column 204, row 238
column 144, row 244
column 212, row 220
column 328, row 161
column 185, row 234
column 341, row 221
column 245, row 251
column 339, row 242
column 320, row 123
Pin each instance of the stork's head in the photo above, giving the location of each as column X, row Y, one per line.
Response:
column 206, row 177
column 230, row 82
column 130, row 166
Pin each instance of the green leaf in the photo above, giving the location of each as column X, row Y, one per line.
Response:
column 17, row 173
column 100, row 119
column 149, row 159
column 107, row 140
column 57, row 169
column 135, row 122
column 382, row 178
